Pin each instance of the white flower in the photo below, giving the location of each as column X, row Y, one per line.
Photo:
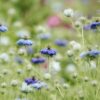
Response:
column 71, row 68
column 17, row 24
column 78, row 24
column 26, row 88
column 3, row 85
column 70, row 52
column 40, row 29
column 12, row 11
column 94, row 82
column 75, row 45
column 4, row 57
column 82, row 19
column 14, row 82
column 93, row 64
column 22, row 51
column 23, row 33
column 56, row 66
column 4, row 40
column 47, row 76
column 65, row 85
column 19, row 71
column 69, row 12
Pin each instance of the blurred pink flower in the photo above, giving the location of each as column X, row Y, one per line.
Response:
column 54, row 21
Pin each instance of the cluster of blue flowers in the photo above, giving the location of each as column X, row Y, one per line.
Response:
column 60, row 42
column 91, row 53
column 24, row 42
column 3, row 28
column 48, row 51
column 93, row 25
column 38, row 60
column 35, row 83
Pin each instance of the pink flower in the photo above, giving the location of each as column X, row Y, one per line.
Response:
column 54, row 21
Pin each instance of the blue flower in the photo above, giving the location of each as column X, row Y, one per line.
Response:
column 91, row 53
column 30, row 80
column 27, row 42
column 24, row 42
column 48, row 51
column 94, row 25
column 38, row 60
column 35, row 83
column 19, row 60
column 61, row 42
column 20, row 42
column 44, row 36
column 3, row 28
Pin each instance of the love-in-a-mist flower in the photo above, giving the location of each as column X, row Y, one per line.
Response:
column 3, row 28
column 61, row 42
column 48, row 51
column 94, row 25
column 90, row 53
column 44, row 36
column 24, row 42
column 69, row 12
column 35, row 83
column 38, row 60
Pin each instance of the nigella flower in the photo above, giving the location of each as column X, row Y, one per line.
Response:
column 20, row 42
column 48, row 51
column 30, row 80
column 35, row 83
column 94, row 25
column 24, row 42
column 3, row 28
column 27, row 42
column 19, row 60
column 44, row 36
column 61, row 42
column 91, row 54
column 38, row 60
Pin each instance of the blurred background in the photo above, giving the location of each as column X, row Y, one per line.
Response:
column 34, row 12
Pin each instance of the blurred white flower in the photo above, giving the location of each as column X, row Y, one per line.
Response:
column 70, row 52
column 70, row 68
column 93, row 64
column 47, row 76
column 55, row 66
column 4, row 40
column 3, row 85
column 26, row 88
column 75, row 45
column 65, row 85
column 78, row 24
column 40, row 29
column 17, row 24
column 69, row 12
column 4, row 57
column 14, row 82
column 94, row 82
column 11, row 11
column 23, row 33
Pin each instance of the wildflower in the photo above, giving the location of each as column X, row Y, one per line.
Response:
column 94, row 82
column 61, row 42
column 94, row 25
column 44, row 36
column 48, row 51
column 38, row 60
column 47, row 76
column 3, row 28
column 24, row 42
column 3, row 85
column 35, row 83
column 14, row 82
column 91, row 54
column 69, row 12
